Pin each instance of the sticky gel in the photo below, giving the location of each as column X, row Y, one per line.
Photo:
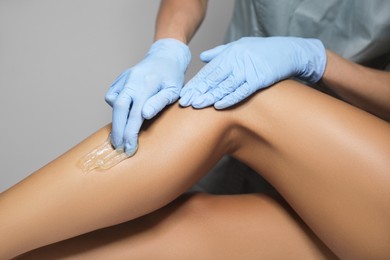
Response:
column 102, row 157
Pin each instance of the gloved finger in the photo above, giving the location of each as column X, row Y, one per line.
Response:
column 205, row 100
column 123, row 75
column 120, row 112
column 213, row 95
column 208, row 55
column 132, row 128
column 186, row 92
column 185, row 98
column 207, row 78
column 160, row 100
column 235, row 97
column 220, row 74
column 194, row 87
column 116, row 87
column 199, row 78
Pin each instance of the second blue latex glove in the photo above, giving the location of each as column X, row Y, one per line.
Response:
column 238, row 69
column 144, row 90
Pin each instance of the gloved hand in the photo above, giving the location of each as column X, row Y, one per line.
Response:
column 238, row 69
column 144, row 90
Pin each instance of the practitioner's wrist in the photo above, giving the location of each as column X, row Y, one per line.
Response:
column 170, row 47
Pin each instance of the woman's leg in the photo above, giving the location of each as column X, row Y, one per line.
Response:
column 328, row 159
column 60, row 201
column 199, row 226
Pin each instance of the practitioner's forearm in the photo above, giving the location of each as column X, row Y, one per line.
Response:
column 179, row 19
column 60, row 201
column 364, row 87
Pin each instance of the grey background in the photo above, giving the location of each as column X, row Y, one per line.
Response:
column 57, row 59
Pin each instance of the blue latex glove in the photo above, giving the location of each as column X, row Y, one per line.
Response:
column 144, row 90
column 238, row 69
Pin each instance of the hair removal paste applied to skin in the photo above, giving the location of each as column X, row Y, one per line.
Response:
column 102, row 157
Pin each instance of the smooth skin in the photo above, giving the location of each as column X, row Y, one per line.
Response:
column 200, row 226
column 329, row 161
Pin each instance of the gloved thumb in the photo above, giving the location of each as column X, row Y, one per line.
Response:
column 208, row 55
column 160, row 100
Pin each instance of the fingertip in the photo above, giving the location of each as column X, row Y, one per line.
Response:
column 203, row 101
column 116, row 142
column 204, row 57
column 222, row 104
column 185, row 100
column 131, row 148
column 208, row 55
column 148, row 112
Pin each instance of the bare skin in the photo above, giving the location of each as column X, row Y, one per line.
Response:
column 199, row 226
column 179, row 19
column 328, row 160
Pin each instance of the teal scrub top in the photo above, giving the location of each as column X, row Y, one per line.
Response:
column 358, row 30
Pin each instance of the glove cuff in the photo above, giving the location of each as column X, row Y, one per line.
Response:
column 173, row 48
column 316, row 61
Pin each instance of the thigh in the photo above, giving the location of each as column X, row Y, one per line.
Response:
column 174, row 152
column 200, row 226
column 328, row 159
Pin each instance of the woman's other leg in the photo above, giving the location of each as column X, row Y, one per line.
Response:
column 199, row 226
column 329, row 160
